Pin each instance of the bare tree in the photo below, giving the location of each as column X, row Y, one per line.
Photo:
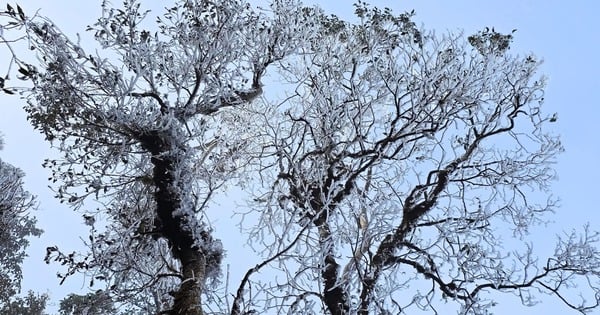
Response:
column 398, row 167
column 387, row 179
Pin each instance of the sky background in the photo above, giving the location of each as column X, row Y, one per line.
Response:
column 565, row 34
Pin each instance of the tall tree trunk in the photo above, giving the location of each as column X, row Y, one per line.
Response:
column 175, row 225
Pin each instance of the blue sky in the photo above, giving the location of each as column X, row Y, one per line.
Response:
column 565, row 34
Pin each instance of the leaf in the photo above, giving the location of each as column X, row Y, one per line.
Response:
column 21, row 13
column 7, row 91
column 24, row 71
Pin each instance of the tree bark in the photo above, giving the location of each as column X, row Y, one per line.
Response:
column 174, row 227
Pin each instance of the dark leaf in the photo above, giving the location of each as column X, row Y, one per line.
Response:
column 24, row 71
column 21, row 13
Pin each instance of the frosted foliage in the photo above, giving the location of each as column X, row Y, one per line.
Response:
column 16, row 224
column 388, row 169
column 147, row 128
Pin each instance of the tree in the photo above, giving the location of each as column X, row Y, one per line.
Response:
column 383, row 181
column 397, row 162
column 16, row 225
column 97, row 303
column 32, row 304
column 149, row 136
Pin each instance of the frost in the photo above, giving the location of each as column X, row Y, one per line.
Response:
column 16, row 225
column 385, row 174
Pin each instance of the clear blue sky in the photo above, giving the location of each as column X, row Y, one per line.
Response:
column 566, row 34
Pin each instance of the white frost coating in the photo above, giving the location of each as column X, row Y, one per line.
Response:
column 16, row 225
column 382, row 120
column 97, row 108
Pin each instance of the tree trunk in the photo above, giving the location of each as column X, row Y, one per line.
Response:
column 175, row 226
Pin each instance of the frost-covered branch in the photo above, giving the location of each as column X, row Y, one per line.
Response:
column 145, row 127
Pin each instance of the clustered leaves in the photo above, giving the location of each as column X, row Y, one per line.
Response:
column 383, row 180
column 490, row 42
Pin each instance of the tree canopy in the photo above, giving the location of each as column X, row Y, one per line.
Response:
column 386, row 174
column 16, row 225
